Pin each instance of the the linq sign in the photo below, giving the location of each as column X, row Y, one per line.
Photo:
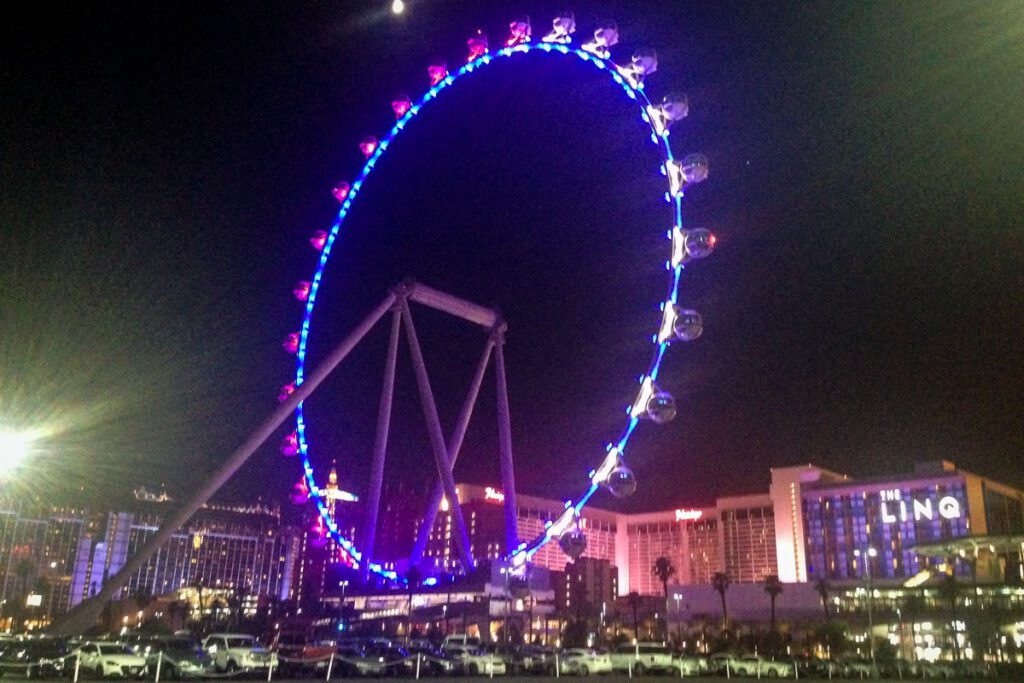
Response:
column 895, row 509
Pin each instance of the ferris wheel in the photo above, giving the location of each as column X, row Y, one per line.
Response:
column 652, row 403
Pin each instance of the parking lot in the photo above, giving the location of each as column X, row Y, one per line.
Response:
column 517, row 679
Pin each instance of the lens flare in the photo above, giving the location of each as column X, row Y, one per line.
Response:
column 14, row 448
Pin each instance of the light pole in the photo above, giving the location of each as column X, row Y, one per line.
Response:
column 870, row 553
column 679, row 618
column 341, row 612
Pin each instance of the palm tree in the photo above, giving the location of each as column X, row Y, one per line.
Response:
column 773, row 587
column 664, row 570
column 721, row 583
column 199, row 586
column 913, row 609
column 822, row 587
column 143, row 599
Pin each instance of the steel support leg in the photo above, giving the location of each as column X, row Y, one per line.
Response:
column 380, row 446
column 508, row 477
column 82, row 617
column 437, row 444
column 454, row 447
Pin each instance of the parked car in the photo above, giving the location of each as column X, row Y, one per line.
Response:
column 351, row 660
column 690, row 665
column 721, row 662
column 393, row 657
column 942, row 670
column 36, row 658
column 298, row 654
column 475, row 662
column 642, row 658
column 105, row 659
column 459, row 640
column 538, row 659
column 431, row 662
column 237, row 651
column 584, row 661
column 755, row 665
column 855, row 667
column 177, row 656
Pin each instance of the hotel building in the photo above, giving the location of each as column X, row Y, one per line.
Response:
column 53, row 558
column 812, row 523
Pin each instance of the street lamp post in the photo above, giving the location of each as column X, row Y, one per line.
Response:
column 679, row 617
column 870, row 553
column 343, row 584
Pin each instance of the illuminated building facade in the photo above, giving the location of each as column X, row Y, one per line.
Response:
column 736, row 536
column 586, row 588
column 811, row 523
column 845, row 522
column 43, row 549
column 485, row 522
column 241, row 549
column 53, row 558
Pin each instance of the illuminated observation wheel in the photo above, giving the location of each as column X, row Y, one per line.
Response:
column 652, row 403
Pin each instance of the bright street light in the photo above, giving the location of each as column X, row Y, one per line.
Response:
column 14, row 447
column 397, row 7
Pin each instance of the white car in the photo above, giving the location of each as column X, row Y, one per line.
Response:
column 690, row 666
column 584, row 662
column 110, row 659
column 237, row 652
column 475, row 662
column 641, row 658
column 753, row 665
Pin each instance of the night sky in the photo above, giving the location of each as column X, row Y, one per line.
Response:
column 163, row 166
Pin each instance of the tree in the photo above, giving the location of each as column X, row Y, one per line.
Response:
column 199, row 586
column 664, row 571
column 143, row 599
column 721, row 583
column 832, row 635
column 822, row 587
column 177, row 613
column 773, row 587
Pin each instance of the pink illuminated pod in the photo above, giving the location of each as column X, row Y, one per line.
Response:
column 290, row 445
column 400, row 105
column 300, row 493
column 477, row 46
column 301, row 289
column 519, row 32
column 286, row 391
column 318, row 533
column 341, row 190
column 368, row 146
column 319, row 239
column 291, row 343
column 672, row 322
column 437, row 72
